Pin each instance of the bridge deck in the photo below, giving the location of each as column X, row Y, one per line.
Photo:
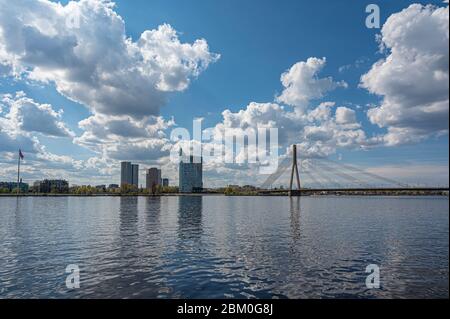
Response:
column 355, row 190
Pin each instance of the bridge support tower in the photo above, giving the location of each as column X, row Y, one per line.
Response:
column 293, row 192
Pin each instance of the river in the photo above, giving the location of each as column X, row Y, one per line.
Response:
column 224, row 247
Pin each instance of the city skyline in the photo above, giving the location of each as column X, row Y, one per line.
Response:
column 315, row 72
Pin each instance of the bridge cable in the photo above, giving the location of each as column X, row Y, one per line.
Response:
column 310, row 174
column 372, row 175
column 325, row 177
column 282, row 167
column 345, row 176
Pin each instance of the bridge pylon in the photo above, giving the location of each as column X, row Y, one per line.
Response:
column 293, row 192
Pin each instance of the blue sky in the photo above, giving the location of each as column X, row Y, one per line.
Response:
column 257, row 41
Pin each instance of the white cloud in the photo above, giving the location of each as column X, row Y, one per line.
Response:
column 413, row 79
column 94, row 63
column 82, row 48
column 122, row 137
column 24, row 114
column 302, row 84
column 356, row 65
column 317, row 133
column 103, row 126
column 174, row 61
column 344, row 115
column 12, row 142
column 142, row 150
column 314, row 129
column 38, row 163
column 321, row 112
column 262, row 115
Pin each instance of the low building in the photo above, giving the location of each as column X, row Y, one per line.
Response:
column 11, row 186
column 101, row 188
column 56, row 186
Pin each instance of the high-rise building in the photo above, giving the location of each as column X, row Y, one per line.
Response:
column 129, row 174
column 165, row 182
column 190, row 174
column 126, row 174
column 153, row 178
column 135, row 175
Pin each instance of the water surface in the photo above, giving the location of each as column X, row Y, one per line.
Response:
column 224, row 247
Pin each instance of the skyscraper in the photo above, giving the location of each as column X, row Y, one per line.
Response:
column 153, row 178
column 135, row 175
column 126, row 173
column 129, row 174
column 190, row 174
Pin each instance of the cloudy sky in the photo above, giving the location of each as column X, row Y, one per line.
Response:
column 86, row 84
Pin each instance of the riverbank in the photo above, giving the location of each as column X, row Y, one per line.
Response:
column 109, row 195
column 268, row 194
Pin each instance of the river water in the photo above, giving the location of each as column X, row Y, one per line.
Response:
column 224, row 247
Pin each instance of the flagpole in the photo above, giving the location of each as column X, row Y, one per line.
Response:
column 18, row 175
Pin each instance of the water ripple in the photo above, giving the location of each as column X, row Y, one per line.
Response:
column 221, row 247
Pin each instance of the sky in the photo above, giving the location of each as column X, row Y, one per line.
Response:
column 87, row 84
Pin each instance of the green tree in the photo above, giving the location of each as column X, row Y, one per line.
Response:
column 128, row 189
column 4, row 190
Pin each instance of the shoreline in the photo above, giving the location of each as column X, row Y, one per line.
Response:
column 402, row 194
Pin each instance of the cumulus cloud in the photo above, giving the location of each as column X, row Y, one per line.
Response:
column 39, row 163
column 313, row 128
column 302, row 84
column 324, row 133
column 344, row 115
column 12, row 142
column 83, row 49
column 110, row 127
column 317, row 132
column 261, row 115
column 413, row 79
column 21, row 118
column 24, row 114
column 123, row 137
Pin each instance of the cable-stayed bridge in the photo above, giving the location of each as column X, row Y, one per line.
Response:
column 322, row 175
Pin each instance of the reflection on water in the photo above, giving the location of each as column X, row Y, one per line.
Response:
column 190, row 217
column 153, row 212
column 224, row 247
column 295, row 219
column 128, row 211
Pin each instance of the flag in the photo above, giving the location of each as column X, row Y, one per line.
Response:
column 21, row 155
